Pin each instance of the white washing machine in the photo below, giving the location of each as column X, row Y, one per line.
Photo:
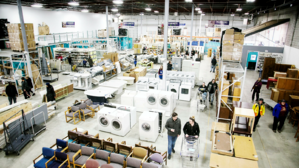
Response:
column 149, row 126
column 185, row 92
column 130, row 109
column 174, row 86
column 127, row 98
column 167, row 101
column 152, row 98
column 162, row 118
column 119, row 123
column 140, row 101
column 104, row 118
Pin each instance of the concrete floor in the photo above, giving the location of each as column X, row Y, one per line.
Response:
column 275, row 150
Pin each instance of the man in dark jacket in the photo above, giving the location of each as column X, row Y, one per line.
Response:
column 25, row 88
column 90, row 62
column 51, row 95
column 173, row 125
column 203, row 90
column 256, row 89
column 191, row 128
column 11, row 93
column 212, row 87
column 213, row 64
column 169, row 66
column 29, row 82
column 280, row 113
column 69, row 59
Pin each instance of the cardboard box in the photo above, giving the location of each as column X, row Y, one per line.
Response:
column 227, row 43
column 228, row 37
column 229, row 31
column 227, row 56
column 241, row 42
column 238, row 48
column 43, row 30
column 227, row 49
column 114, row 57
column 239, row 37
column 237, row 56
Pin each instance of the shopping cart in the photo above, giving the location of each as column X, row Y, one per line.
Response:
column 201, row 99
column 190, row 152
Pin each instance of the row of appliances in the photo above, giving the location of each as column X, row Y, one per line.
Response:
column 145, row 84
column 186, row 78
column 182, row 91
column 192, row 66
column 113, row 118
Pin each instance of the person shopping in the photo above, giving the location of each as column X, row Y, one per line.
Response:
column 256, row 89
column 212, row 88
column 90, row 61
column 135, row 60
column 259, row 110
column 280, row 113
column 51, row 95
column 169, row 66
column 161, row 72
column 173, row 126
column 11, row 93
column 203, row 90
column 213, row 64
column 25, row 88
column 191, row 128
column 29, row 82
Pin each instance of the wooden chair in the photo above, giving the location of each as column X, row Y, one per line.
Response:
column 92, row 106
column 72, row 113
column 123, row 149
column 84, row 154
column 297, row 133
column 96, row 143
column 293, row 117
column 73, row 135
column 139, row 153
column 109, row 146
column 85, row 110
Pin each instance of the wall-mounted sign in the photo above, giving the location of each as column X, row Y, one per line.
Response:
column 68, row 24
column 194, row 43
column 253, row 57
column 182, row 24
column 128, row 24
column 173, row 25
column 212, row 23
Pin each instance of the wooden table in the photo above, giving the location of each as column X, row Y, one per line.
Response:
column 244, row 148
column 248, row 117
column 220, row 127
column 221, row 161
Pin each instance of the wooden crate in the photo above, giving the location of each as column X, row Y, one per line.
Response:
column 274, row 95
column 288, row 84
column 292, row 73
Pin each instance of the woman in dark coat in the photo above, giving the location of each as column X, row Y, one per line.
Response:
column 90, row 62
column 256, row 89
column 191, row 128
column 50, row 93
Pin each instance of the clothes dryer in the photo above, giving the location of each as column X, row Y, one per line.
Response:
column 140, row 101
column 162, row 118
column 149, row 126
column 185, row 92
column 104, row 119
column 119, row 123
column 167, row 101
column 130, row 109
column 174, row 86
column 152, row 98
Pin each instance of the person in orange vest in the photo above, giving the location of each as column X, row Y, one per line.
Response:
column 259, row 110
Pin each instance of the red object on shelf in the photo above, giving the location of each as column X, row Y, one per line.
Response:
column 270, row 80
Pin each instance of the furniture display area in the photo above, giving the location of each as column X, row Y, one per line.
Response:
column 284, row 88
column 243, row 121
column 61, row 91
column 244, row 148
column 270, row 66
column 261, row 59
column 218, row 161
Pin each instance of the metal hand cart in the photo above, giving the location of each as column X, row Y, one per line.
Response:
column 190, row 152
column 201, row 100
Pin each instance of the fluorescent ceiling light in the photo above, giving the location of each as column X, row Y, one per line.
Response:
column 156, row 11
column 239, row 9
column 250, row 0
column 85, row 11
column 188, row 0
column 118, row 2
column 197, row 9
column 73, row 3
column 37, row 5
column 246, row 13
column 232, row 14
column 141, row 14
column 118, row 14
column 203, row 14
column 175, row 13
column 114, row 9
column 148, row 9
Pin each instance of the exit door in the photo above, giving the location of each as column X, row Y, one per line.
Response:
column 251, row 60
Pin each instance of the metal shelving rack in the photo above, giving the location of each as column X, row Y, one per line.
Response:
column 232, row 67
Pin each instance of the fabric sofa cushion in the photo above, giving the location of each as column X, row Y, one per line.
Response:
column 101, row 162
column 72, row 114
column 116, row 165
column 150, row 165
column 157, row 158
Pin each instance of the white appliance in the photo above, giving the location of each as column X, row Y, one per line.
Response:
column 140, row 100
column 153, row 84
column 142, row 84
column 185, row 92
column 127, row 98
column 119, row 123
column 187, row 65
column 128, row 109
column 195, row 69
column 117, row 84
column 149, row 126
column 104, row 118
column 167, row 101
column 174, row 86
column 152, row 98
column 162, row 118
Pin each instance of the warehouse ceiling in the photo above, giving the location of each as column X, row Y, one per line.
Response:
column 181, row 6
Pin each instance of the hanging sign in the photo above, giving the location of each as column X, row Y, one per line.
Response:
column 182, row 24
column 194, row 43
column 68, row 24
column 128, row 24
column 212, row 23
column 173, row 25
column 253, row 57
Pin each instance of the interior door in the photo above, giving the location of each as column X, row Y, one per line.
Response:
column 251, row 60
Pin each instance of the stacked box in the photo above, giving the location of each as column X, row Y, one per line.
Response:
column 137, row 48
column 103, row 32
column 113, row 56
column 232, row 45
column 16, row 38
